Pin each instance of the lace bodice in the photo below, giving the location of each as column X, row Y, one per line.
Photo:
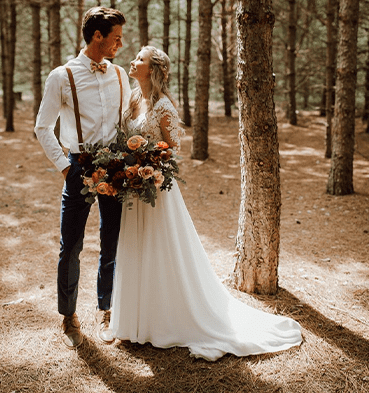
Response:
column 149, row 125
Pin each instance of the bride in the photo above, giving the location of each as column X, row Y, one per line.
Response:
column 165, row 291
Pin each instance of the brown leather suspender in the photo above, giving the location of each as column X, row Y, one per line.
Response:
column 76, row 106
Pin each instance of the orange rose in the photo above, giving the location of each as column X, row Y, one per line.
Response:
column 136, row 141
column 146, row 172
column 131, row 172
column 99, row 174
column 102, row 188
column 105, row 189
column 162, row 145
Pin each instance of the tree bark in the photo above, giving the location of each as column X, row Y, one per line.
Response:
column 232, row 51
column 330, row 72
column 340, row 181
column 55, row 37
column 186, row 65
column 166, row 26
column 179, row 54
column 80, row 9
column 143, row 24
column 55, row 44
column 226, row 77
column 4, row 51
column 258, row 234
column 36, row 38
column 201, row 121
column 8, row 43
column 365, row 116
column 291, row 62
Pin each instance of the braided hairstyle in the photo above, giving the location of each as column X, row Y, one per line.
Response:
column 159, row 63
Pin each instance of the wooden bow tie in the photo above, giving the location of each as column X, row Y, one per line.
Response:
column 98, row 67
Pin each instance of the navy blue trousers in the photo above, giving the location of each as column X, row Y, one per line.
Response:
column 74, row 214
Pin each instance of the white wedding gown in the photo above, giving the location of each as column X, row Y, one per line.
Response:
column 165, row 290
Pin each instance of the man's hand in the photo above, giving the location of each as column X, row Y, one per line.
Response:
column 65, row 172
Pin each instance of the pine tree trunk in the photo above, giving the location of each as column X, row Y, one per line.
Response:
column 166, row 26
column 330, row 73
column 186, row 65
column 4, row 51
column 291, row 61
column 365, row 116
column 143, row 24
column 179, row 54
column 232, row 51
column 80, row 9
column 36, row 38
column 226, row 85
column 258, row 235
column 201, row 121
column 55, row 37
column 340, row 180
column 55, row 44
column 8, row 43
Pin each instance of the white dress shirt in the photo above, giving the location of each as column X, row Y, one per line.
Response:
column 98, row 98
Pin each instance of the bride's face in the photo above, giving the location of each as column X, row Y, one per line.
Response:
column 140, row 68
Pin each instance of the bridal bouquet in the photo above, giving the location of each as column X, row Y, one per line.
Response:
column 132, row 166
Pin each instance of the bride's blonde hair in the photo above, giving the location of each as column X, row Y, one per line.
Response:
column 159, row 64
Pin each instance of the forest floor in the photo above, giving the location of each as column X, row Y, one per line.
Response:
column 323, row 273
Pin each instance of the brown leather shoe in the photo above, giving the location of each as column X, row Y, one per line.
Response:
column 72, row 336
column 103, row 332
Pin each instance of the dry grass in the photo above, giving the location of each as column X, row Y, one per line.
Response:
column 323, row 275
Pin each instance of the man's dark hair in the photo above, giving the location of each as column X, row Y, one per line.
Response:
column 102, row 19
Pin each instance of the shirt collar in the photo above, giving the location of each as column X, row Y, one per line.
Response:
column 86, row 61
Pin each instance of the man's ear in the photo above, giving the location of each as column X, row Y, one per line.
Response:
column 97, row 35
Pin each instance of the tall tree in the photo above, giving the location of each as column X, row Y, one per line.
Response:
column 258, row 234
column 226, row 77
column 179, row 40
column 186, row 65
column 166, row 26
column 330, row 72
column 232, row 51
column 80, row 10
column 8, row 44
column 340, row 181
column 201, row 121
column 36, row 38
column 55, row 43
column 143, row 24
column 291, row 53
column 365, row 116
column 55, row 37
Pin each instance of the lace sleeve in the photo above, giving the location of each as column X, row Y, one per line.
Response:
column 169, row 123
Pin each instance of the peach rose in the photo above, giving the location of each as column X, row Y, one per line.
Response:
column 162, row 145
column 159, row 178
column 136, row 141
column 131, row 172
column 87, row 181
column 146, row 172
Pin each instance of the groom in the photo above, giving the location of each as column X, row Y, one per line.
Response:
column 102, row 91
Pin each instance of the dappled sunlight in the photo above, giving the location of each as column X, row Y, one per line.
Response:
column 306, row 151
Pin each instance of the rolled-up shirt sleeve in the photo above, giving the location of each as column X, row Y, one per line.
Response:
column 47, row 117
